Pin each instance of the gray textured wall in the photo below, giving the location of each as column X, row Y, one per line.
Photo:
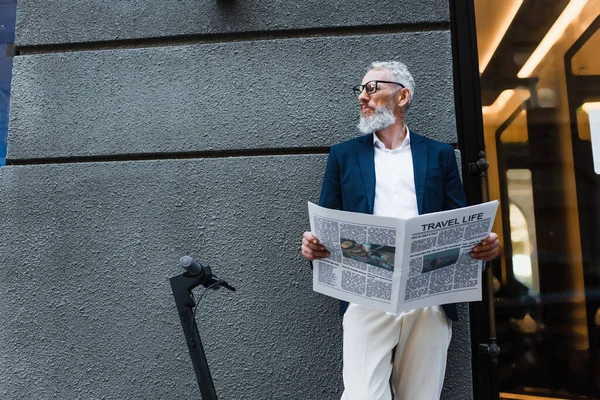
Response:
column 90, row 232
column 236, row 95
column 68, row 21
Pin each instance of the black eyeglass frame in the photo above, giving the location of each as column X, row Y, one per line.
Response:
column 359, row 88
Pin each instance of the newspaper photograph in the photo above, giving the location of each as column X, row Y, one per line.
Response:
column 395, row 264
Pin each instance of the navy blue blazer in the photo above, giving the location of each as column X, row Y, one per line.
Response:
column 349, row 181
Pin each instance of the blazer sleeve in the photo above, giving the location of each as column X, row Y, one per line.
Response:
column 331, row 191
column 454, row 194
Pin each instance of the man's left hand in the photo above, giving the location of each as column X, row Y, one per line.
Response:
column 488, row 249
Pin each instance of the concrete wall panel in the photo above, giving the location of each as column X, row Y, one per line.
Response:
column 458, row 383
column 240, row 95
column 68, row 21
column 86, row 251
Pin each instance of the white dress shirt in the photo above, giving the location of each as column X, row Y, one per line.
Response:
column 395, row 194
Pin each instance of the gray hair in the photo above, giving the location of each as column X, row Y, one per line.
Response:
column 400, row 74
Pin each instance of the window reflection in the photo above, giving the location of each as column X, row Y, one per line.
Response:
column 540, row 80
column 522, row 229
column 588, row 126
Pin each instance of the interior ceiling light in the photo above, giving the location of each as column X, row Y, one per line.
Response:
column 591, row 106
column 509, row 16
column 571, row 11
column 499, row 103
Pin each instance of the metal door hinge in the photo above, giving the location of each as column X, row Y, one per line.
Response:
column 479, row 167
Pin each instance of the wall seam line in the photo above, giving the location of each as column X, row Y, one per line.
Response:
column 167, row 156
column 184, row 40
column 173, row 156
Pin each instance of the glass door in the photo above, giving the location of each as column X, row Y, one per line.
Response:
column 539, row 65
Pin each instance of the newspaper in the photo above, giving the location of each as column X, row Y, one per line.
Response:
column 395, row 264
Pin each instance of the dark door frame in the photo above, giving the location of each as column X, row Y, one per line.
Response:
column 469, row 124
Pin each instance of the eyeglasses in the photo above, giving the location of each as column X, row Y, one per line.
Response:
column 371, row 87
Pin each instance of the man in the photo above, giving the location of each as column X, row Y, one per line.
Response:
column 392, row 171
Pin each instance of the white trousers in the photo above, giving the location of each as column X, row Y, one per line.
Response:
column 411, row 348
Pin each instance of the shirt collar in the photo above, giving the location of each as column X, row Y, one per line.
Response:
column 378, row 143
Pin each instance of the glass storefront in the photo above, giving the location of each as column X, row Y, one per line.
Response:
column 8, row 9
column 540, row 88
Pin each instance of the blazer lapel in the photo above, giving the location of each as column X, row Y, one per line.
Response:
column 419, row 156
column 366, row 163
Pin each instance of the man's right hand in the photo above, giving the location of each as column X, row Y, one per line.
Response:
column 312, row 249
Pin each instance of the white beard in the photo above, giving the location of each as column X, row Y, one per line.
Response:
column 381, row 118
